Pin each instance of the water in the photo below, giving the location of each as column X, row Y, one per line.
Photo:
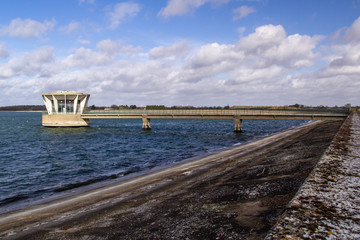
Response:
column 39, row 163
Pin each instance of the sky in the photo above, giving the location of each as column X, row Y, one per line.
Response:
column 182, row 52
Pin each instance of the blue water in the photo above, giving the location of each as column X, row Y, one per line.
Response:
column 37, row 162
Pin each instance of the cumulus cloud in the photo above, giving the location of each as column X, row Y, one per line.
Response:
column 353, row 32
column 30, row 64
column 4, row 53
column 242, row 12
column 83, row 41
column 350, row 57
column 27, row 28
column 214, row 55
column 121, row 12
column 182, row 7
column 108, row 51
column 336, row 80
column 344, row 55
column 271, row 45
column 265, row 67
column 84, row 57
column 176, row 50
column 264, row 37
column 71, row 27
column 115, row 47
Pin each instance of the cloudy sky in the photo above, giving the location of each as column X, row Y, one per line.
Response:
column 182, row 52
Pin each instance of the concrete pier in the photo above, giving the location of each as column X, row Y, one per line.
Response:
column 238, row 127
column 146, row 123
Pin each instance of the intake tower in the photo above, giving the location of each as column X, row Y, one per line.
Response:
column 64, row 109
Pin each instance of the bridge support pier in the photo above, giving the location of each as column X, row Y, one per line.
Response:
column 146, row 123
column 238, row 127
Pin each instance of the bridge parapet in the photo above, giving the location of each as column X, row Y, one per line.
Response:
column 225, row 113
column 236, row 115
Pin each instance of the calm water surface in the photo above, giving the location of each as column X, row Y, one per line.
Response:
column 40, row 163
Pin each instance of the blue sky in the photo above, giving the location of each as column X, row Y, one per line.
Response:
column 182, row 52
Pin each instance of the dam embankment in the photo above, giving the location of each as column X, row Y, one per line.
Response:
column 235, row 194
column 328, row 204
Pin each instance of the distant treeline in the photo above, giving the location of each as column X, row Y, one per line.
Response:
column 24, row 108
column 287, row 107
column 93, row 107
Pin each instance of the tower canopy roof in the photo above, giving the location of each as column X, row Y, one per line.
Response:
column 64, row 92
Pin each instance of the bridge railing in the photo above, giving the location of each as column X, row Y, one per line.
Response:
column 216, row 112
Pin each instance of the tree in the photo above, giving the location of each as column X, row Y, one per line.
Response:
column 155, row 107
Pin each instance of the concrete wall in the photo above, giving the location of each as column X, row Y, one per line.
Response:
column 64, row 120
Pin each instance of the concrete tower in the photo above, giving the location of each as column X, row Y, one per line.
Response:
column 64, row 109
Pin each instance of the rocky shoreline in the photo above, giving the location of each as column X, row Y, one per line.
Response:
column 236, row 194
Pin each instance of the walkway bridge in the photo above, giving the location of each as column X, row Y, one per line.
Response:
column 236, row 115
column 67, row 109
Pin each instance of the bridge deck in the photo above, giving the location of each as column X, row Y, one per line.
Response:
column 219, row 114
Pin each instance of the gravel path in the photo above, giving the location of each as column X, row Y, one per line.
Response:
column 328, row 205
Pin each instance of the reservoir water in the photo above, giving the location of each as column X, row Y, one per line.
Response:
column 38, row 163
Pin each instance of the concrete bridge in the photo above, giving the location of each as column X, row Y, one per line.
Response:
column 236, row 115
column 67, row 109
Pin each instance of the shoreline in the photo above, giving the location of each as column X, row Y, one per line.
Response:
column 34, row 218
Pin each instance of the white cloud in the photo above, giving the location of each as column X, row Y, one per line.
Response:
column 180, row 7
column 242, row 12
column 183, row 7
column 4, row 53
column 83, row 41
column 121, row 12
column 270, row 45
column 350, row 56
column 344, row 56
column 30, row 64
column 84, row 57
column 353, row 33
column 176, row 50
column 27, row 28
column 215, row 55
column 113, row 47
column 264, row 37
column 71, row 27
column 108, row 51
column 266, row 67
